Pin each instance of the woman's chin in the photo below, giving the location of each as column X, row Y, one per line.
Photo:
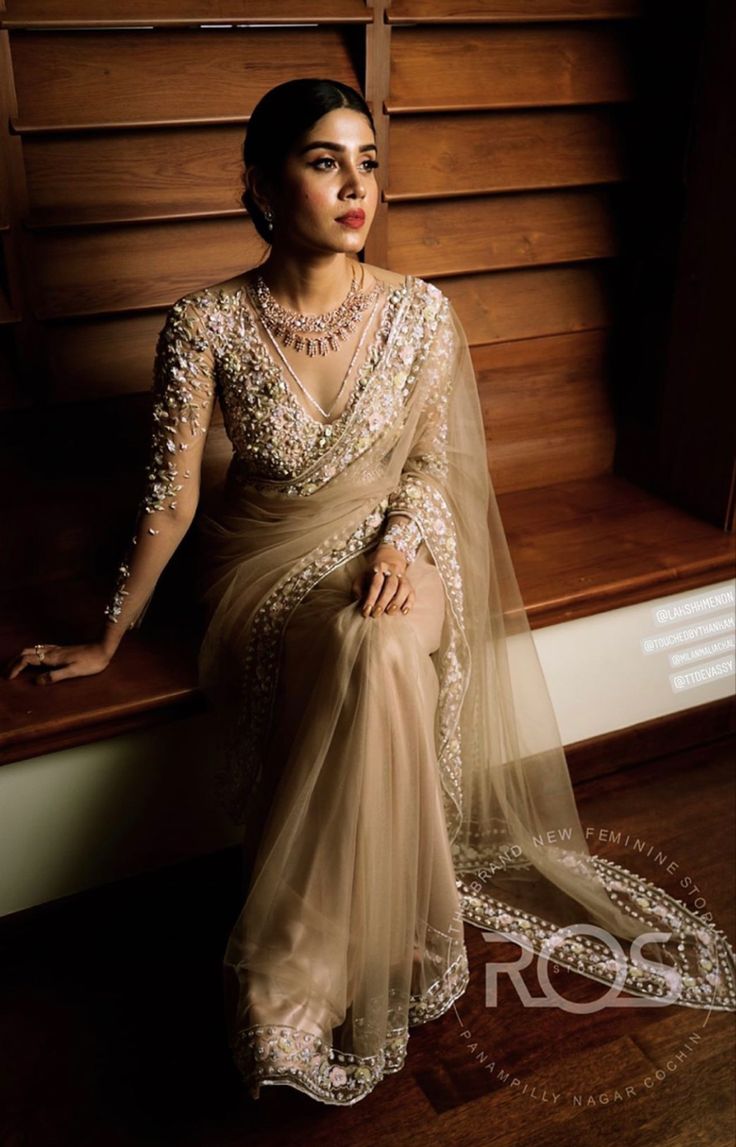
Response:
column 354, row 240
column 350, row 244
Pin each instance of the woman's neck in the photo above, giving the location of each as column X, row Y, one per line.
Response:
column 310, row 286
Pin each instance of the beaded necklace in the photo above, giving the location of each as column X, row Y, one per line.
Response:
column 318, row 334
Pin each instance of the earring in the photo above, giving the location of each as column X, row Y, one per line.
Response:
column 268, row 214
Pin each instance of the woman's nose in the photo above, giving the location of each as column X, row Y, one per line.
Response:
column 355, row 185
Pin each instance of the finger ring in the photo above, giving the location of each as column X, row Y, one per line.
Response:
column 40, row 651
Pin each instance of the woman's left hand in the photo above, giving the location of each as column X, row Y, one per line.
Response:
column 384, row 593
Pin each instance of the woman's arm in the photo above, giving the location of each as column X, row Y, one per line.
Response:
column 184, row 397
column 425, row 469
column 422, row 478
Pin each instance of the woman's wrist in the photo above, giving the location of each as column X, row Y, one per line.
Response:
column 391, row 556
column 404, row 535
column 109, row 640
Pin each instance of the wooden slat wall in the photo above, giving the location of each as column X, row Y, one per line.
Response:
column 453, row 155
column 164, row 173
column 508, row 138
column 164, row 13
column 503, row 129
column 11, row 396
column 70, row 79
column 510, row 11
column 107, row 269
column 502, row 231
column 502, row 67
column 128, row 120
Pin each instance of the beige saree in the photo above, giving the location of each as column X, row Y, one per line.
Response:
column 395, row 776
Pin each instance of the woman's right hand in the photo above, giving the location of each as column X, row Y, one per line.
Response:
column 61, row 661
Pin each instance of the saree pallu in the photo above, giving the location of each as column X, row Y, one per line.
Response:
column 399, row 776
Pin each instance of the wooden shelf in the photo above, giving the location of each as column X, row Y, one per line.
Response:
column 64, row 15
column 49, row 223
column 19, row 127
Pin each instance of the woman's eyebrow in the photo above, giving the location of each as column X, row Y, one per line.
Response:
column 335, row 146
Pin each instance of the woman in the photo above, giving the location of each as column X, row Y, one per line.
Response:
column 385, row 735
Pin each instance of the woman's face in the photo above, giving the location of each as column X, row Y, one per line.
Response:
column 327, row 196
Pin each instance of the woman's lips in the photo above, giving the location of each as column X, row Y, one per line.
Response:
column 352, row 219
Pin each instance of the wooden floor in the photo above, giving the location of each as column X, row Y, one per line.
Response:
column 111, row 1028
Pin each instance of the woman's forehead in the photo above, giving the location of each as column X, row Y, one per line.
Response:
column 341, row 126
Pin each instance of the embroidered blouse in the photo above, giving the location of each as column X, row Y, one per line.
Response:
column 210, row 348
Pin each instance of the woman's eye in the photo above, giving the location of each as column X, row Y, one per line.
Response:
column 325, row 163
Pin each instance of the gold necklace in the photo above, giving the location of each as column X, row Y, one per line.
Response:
column 300, row 384
column 318, row 334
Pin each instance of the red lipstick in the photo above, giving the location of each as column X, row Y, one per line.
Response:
column 352, row 219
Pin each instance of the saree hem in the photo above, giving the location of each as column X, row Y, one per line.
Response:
column 274, row 1053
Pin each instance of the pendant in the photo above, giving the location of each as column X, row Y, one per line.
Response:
column 319, row 334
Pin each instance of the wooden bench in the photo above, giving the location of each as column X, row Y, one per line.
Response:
column 579, row 547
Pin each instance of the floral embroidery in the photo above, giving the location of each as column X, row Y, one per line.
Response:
column 442, row 994
column 183, row 400
column 210, row 346
column 240, row 771
column 406, row 537
column 284, row 450
column 273, row 1053
column 703, row 976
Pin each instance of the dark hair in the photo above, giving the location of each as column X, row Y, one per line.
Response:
column 280, row 118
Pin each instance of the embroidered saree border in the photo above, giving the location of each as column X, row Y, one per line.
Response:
column 241, row 769
column 714, row 987
column 424, row 504
column 280, row 1054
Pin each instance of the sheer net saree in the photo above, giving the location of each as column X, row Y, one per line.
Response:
column 396, row 776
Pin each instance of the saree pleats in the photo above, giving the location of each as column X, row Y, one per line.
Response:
column 353, row 907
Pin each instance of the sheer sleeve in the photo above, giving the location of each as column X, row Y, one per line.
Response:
column 183, row 400
column 426, row 467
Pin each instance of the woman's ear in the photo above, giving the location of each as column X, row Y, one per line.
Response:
column 257, row 187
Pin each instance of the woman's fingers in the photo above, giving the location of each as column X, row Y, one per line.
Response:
column 400, row 598
column 374, row 588
column 29, row 656
column 60, row 662
column 377, row 592
column 385, row 592
column 409, row 603
column 15, row 667
column 52, row 675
